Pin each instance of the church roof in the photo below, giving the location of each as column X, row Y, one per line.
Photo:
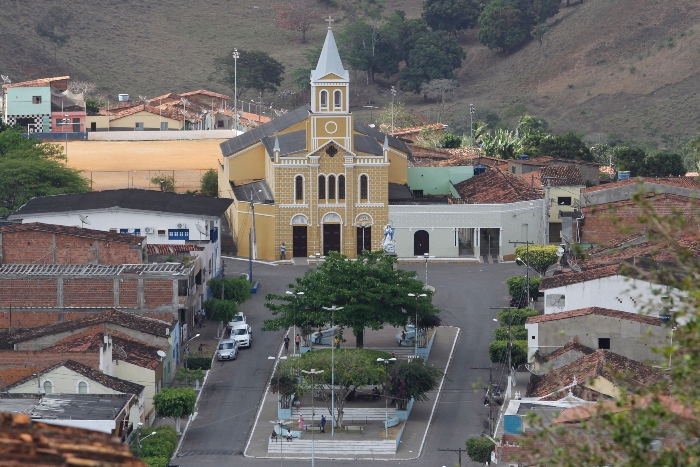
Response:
column 379, row 136
column 329, row 61
column 368, row 145
column 290, row 143
column 259, row 191
column 280, row 123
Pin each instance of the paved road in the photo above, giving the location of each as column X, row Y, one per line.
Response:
column 465, row 293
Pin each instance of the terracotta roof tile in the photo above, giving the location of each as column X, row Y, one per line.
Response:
column 569, row 347
column 152, row 326
column 11, row 375
column 546, row 160
column 559, row 280
column 496, row 186
column 170, row 249
column 657, row 251
column 163, row 110
column 595, row 311
column 253, row 118
column 562, row 175
column 74, row 232
column 204, row 92
column 27, row 442
column 35, row 83
column 617, row 369
column 691, row 183
column 417, row 129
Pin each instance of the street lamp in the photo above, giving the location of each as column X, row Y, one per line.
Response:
column 393, row 94
column 363, row 225
column 236, row 56
column 527, row 276
column 415, row 329
column 279, row 403
column 471, row 123
column 333, row 309
column 66, row 121
column 426, row 257
column 187, row 383
column 294, row 333
column 139, row 439
column 510, row 345
column 386, row 362
column 313, row 372
column 371, row 108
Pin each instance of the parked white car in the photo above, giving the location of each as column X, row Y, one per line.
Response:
column 228, row 350
column 239, row 319
column 243, row 334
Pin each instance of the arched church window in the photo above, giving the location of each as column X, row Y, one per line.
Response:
column 341, row 186
column 299, row 188
column 324, row 99
column 331, row 187
column 321, row 187
column 364, row 184
column 337, row 100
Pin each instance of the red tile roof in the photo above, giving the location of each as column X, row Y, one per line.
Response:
column 24, row 442
column 74, row 232
column 662, row 251
column 573, row 346
column 691, row 183
column 417, row 129
column 584, row 412
column 204, row 92
column 36, row 83
column 595, row 311
column 10, row 375
column 617, row 369
column 561, row 175
column 168, row 249
column 559, row 280
column 163, row 110
column 496, row 186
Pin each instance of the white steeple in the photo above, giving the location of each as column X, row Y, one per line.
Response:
column 329, row 61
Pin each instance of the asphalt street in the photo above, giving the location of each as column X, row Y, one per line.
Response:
column 464, row 292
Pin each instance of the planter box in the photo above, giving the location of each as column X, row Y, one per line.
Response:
column 403, row 414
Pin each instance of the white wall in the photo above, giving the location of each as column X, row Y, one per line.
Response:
column 64, row 381
column 614, row 292
column 517, row 221
column 161, row 135
column 105, row 426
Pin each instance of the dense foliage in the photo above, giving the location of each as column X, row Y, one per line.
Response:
column 568, row 146
column 156, row 450
column 539, row 257
column 412, row 379
column 479, row 449
column 451, row 15
column 221, row 311
column 236, row 289
column 516, row 286
column 506, row 24
column 209, row 183
column 256, row 70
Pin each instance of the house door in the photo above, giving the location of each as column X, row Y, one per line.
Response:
column 331, row 238
column 421, row 243
column 364, row 239
column 93, row 126
column 299, row 241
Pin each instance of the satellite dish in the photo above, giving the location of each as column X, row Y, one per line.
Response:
column 119, row 351
column 84, row 219
column 161, row 354
column 201, row 229
column 6, row 79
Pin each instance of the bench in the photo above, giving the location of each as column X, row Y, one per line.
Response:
column 349, row 428
column 295, row 433
column 312, row 428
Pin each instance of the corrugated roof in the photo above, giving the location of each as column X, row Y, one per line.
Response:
column 204, row 92
column 131, row 198
column 561, row 175
column 258, row 191
column 170, row 249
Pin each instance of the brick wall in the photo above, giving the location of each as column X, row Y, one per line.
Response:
column 74, row 250
column 27, row 319
column 27, row 247
column 88, row 292
column 118, row 253
column 128, row 293
column 12, row 358
column 157, row 293
column 28, row 292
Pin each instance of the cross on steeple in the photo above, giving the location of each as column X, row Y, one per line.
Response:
column 330, row 20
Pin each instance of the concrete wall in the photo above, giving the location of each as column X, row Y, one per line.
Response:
column 628, row 338
column 160, row 135
column 515, row 221
column 19, row 101
column 436, row 180
column 143, row 376
column 625, row 192
column 64, row 381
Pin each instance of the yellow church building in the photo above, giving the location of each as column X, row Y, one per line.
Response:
column 315, row 180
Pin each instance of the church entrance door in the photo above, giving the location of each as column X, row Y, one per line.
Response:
column 299, row 237
column 421, row 243
column 364, row 239
column 331, row 238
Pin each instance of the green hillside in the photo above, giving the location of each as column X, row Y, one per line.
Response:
column 623, row 68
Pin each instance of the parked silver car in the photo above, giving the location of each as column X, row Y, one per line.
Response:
column 228, row 350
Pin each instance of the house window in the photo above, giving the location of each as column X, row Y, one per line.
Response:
column 219, row 123
column 36, row 99
column 48, row 387
column 324, row 99
column 82, row 387
column 512, row 169
column 364, row 183
column 138, row 126
column 321, row 187
column 564, row 201
column 604, row 343
column 337, row 100
column 163, row 126
column 299, row 188
column 331, row 187
column 341, row 186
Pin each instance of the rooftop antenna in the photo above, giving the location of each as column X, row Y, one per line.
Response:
column 84, row 220
column 201, row 229
column 161, row 354
column 144, row 99
column 5, row 79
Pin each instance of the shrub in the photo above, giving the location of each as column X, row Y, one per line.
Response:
column 516, row 286
column 199, row 361
column 516, row 317
column 159, row 446
column 479, row 449
column 498, row 352
column 156, row 461
column 517, row 333
column 451, row 141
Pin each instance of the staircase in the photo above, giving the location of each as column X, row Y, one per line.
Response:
column 332, row 448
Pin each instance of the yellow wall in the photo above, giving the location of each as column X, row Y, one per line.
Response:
column 398, row 169
column 142, row 376
column 150, row 121
column 604, row 386
column 567, row 191
column 248, row 166
column 331, row 90
column 264, row 230
column 102, row 121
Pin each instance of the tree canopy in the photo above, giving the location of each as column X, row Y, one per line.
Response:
column 663, row 164
column 297, row 15
column 176, row 403
column 236, row 288
column 370, row 289
column 221, row 311
column 435, row 55
column 506, row 24
column 209, row 183
column 451, row 15
column 412, row 379
column 516, row 286
column 539, row 257
column 568, row 146
column 30, row 168
column 256, row 70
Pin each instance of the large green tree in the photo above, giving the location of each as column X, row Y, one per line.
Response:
column 451, row 15
column 539, row 257
column 209, row 183
column 30, row 168
column 176, row 403
column 663, row 164
column 568, row 146
column 503, row 24
column 371, row 289
column 435, row 55
column 630, row 159
column 411, row 379
column 256, row 70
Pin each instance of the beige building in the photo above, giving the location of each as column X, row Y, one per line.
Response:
column 316, row 180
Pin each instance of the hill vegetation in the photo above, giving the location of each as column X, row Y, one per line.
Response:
column 606, row 70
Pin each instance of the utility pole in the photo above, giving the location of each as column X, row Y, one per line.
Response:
column 393, row 94
column 459, row 452
column 527, row 244
column 490, row 396
column 471, row 123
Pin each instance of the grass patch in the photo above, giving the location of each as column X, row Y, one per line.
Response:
column 393, row 431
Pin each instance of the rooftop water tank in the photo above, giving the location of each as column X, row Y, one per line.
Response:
column 479, row 169
column 123, row 98
column 623, row 175
column 524, row 157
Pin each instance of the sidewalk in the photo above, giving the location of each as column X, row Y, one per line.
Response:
column 415, row 431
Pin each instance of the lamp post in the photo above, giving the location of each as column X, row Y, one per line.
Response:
column 371, row 109
column 236, row 56
column 386, row 362
column 294, row 333
column 426, row 257
column 527, row 275
column 393, row 94
column 333, row 309
column 313, row 372
column 510, row 345
column 184, row 113
column 187, row 383
column 415, row 329
column 279, row 403
column 66, row 121
column 471, row 122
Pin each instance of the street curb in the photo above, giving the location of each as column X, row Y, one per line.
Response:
column 257, row 261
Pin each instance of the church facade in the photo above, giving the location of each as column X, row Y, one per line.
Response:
column 315, row 180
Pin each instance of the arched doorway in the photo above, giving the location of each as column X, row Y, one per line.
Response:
column 299, row 236
column 421, row 243
column 331, row 233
